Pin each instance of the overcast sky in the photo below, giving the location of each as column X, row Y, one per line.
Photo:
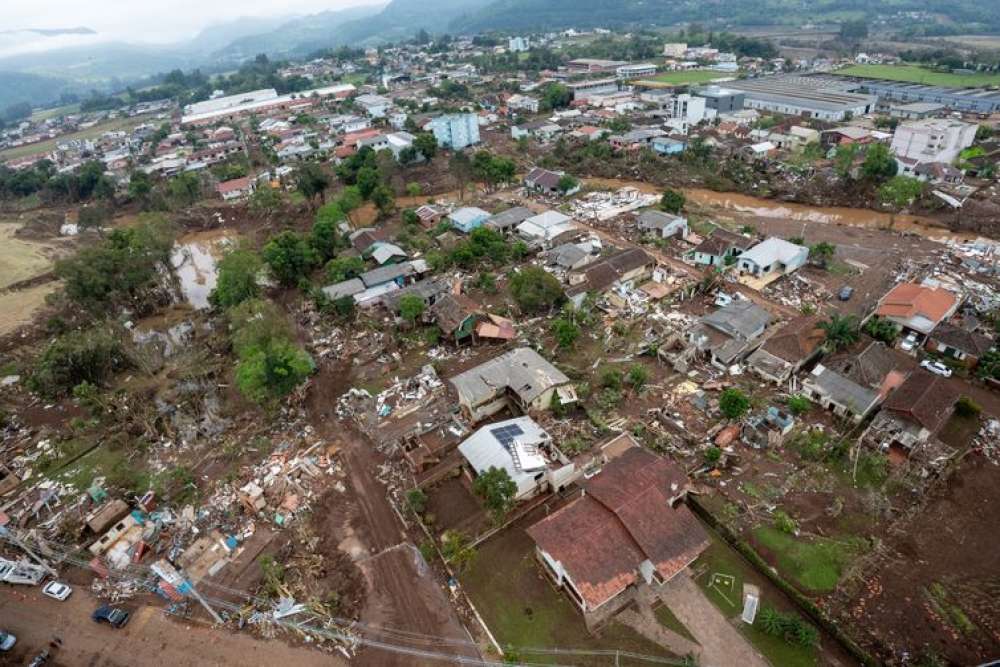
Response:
column 149, row 20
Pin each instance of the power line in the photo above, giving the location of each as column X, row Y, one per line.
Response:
column 134, row 572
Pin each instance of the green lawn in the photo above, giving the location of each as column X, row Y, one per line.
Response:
column 43, row 114
column 814, row 564
column 523, row 610
column 723, row 572
column 684, row 77
column 917, row 74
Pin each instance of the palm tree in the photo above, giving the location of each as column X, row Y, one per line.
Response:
column 841, row 331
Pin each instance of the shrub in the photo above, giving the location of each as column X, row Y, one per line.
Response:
column 535, row 290
column 790, row 627
column 799, row 404
column 733, row 403
column 785, row 523
column 966, row 407
column 90, row 355
column 237, row 279
column 713, row 455
column 417, row 500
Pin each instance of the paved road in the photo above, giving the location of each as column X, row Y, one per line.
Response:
column 150, row 638
column 722, row 645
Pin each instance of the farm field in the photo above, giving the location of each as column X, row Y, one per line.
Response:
column 684, row 77
column 916, row 74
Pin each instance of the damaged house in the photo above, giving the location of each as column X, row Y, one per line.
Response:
column 720, row 246
column 663, row 225
column 521, row 378
column 913, row 413
column 852, row 385
column 789, row 349
column 772, row 257
column 727, row 335
column 455, row 315
column 958, row 343
column 522, row 448
column 917, row 308
column 627, row 528
column 629, row 267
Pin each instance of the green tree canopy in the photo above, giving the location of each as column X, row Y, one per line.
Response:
column 535, row 289
column 733, row 403
column 672, row 201
column 289, row 257
column 497, row 490
column 237, row 279
column 880, row 164
column 841, row 331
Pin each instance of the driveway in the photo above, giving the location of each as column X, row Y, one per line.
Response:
column 722, row 645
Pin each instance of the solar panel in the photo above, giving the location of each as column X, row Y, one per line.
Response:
column 505, row 435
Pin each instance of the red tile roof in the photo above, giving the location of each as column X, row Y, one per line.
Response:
column 910, row 300
column 624, row 519
column 923, row 398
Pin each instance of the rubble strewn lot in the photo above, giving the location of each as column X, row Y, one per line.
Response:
column 431, row 380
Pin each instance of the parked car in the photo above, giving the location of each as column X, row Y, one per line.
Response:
column 845, row 293
column 909, row 342
column 57, row 590
column 113, row 616
column 7, row 641
column 936, row 367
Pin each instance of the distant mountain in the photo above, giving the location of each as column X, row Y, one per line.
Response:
column 100, row 62
column 52, row 32
column 219, row 36
column 20, row 87
column 403, row 18
column 528, row 15
column 298, row 36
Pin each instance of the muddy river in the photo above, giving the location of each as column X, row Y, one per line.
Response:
column 747, row 205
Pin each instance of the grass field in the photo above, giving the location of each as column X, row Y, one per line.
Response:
column 684, row 77
column 89, row 133
column 43, row 114
column 916, row 74
column 524, row 610
column 723, row 574
column 814, row 564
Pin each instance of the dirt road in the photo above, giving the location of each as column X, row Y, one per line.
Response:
column 150, row 638
column 405, row 604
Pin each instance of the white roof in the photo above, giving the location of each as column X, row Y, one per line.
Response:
column 467, row 215
column 773, row 249
column 762, row 147
column 510, row 445
column 546, row 225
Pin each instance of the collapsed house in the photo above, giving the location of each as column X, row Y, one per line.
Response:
column 520, row 378
column 727, row 335
column 628, row 268
column 913, row 414
column 789, row 349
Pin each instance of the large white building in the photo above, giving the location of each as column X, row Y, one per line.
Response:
column 635, row 71
column 456, row 131
column 687, row 107
column 518, row 44
column 932, row 140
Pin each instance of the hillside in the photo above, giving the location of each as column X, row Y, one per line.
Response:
column 32, row 88
column 554, row 14
column 403, row 18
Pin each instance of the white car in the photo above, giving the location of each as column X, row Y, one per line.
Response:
column 57, row 590
column 909, row 342
column 936, row 367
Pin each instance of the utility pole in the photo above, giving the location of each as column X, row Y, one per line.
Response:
column 182, row 583
column 12, row 537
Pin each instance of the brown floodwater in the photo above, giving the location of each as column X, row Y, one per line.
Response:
column 761, row 207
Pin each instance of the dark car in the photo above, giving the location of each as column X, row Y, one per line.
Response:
column 845, row 293
column 113, row 616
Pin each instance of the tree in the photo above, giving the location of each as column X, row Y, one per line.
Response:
column 460, row 167
column 266, row 200
column 140, row 184
column 733, row 403
column 989, row 365
column 567, row 184
column 272, row 370
column 566, row 332
column 882, row 329
column 900, row 191
column 841, row 331
column 325, row 237
column 426, row 144
column 311, row 181
column 185, row 188
column 411, row 307
column 799, row 404
column 843, row 159
column 555, row 96
column 289, row 257
column 854, row 31
column 384, row 199
column 237, row 279
column 88, row 355
column 349, row 200
column 94, row 216
column 672, row 201
column 340, row 269
column 821, row 253
column 367, row 180
column 414, row 189
column 497, row 490
column 879, row 164
column 535, row 289
column 456, row 550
